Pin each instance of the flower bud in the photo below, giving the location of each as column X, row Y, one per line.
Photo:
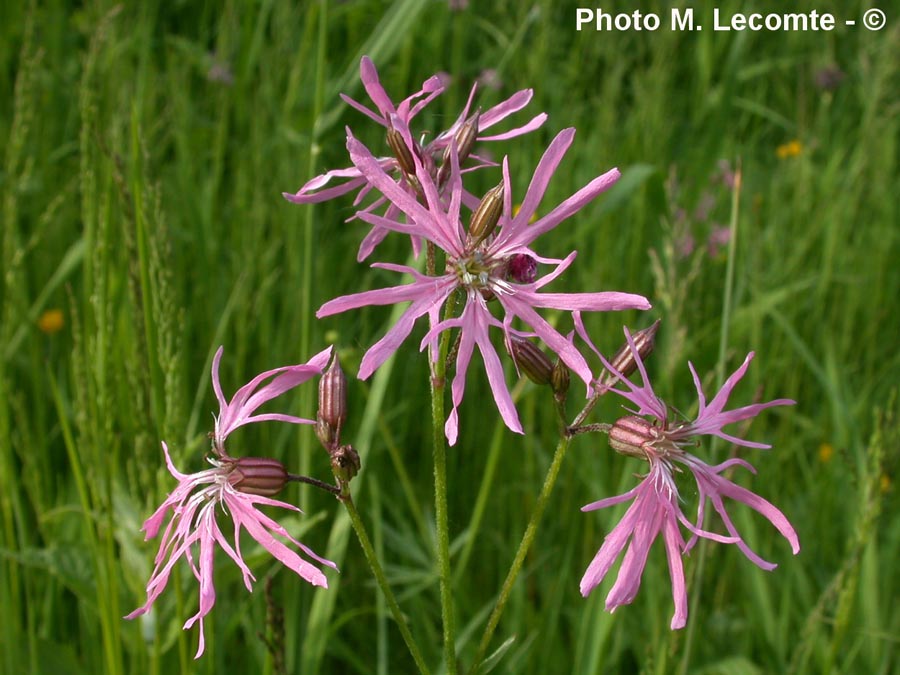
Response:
column 559, row 380
column 332, row 411
column 522, row 268
column 486, row 216
column 465, row 139
column 401, row 151
column 258, row 476
column 624, row 361
column 529, row 358
column 629, row 435
column 345, row 463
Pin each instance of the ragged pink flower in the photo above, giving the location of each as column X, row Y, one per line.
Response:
column 661, row 441
column 233, row 489
column 479, row 266
column 386, row 113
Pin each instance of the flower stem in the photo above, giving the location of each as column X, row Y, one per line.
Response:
column 328, row 487
column 727, row 301
column 380, row 577
column 524, row 546
column 442, row 528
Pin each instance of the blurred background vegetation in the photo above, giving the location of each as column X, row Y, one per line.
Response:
column 145, row 149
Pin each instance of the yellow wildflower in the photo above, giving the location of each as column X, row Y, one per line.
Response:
column 51, row 321
column 789, row 149
column 825, row 453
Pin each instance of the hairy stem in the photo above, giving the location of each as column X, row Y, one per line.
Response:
column 438, row 416
column 380, row 577
column 524, row 547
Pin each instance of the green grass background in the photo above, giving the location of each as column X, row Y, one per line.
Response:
column 141, row 196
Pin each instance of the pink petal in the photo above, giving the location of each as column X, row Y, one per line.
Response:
column 542, row 174
column 535, row 123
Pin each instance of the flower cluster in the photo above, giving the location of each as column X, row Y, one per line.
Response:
column 236, row 487
column 481, row 272
column 492, row 267
column 466, row 131
column 653, row 434
column 489, row 263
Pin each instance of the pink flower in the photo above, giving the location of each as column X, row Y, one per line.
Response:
column 661, row 441
column 386, row 114
column 719, row 236
column 234, row 487
column 479, row 267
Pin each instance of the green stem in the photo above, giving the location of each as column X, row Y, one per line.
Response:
column 524, row 547
column 380, row 577
column 727, row 301
column 438, row 416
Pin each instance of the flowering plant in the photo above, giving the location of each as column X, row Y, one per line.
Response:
column 235, row 487
column 662, row 441
column 480, row 272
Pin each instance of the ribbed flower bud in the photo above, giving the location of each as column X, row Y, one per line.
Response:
column 522, row 268
column 530, row 360
column 345, row 463
column 401, row 151
column 559, row 380
column 629, row 434
column 332, row 411
column 258, row 476
column 486, row 216
column 624, row 361
column 464, row 141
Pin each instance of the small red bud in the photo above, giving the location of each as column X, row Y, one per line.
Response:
column 522, row 268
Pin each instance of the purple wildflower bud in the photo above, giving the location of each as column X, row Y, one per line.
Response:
column 486, row 216
column 624, row 361
column 522, row 268
column 332, row 411
column 529, row 359
column 258, row 476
